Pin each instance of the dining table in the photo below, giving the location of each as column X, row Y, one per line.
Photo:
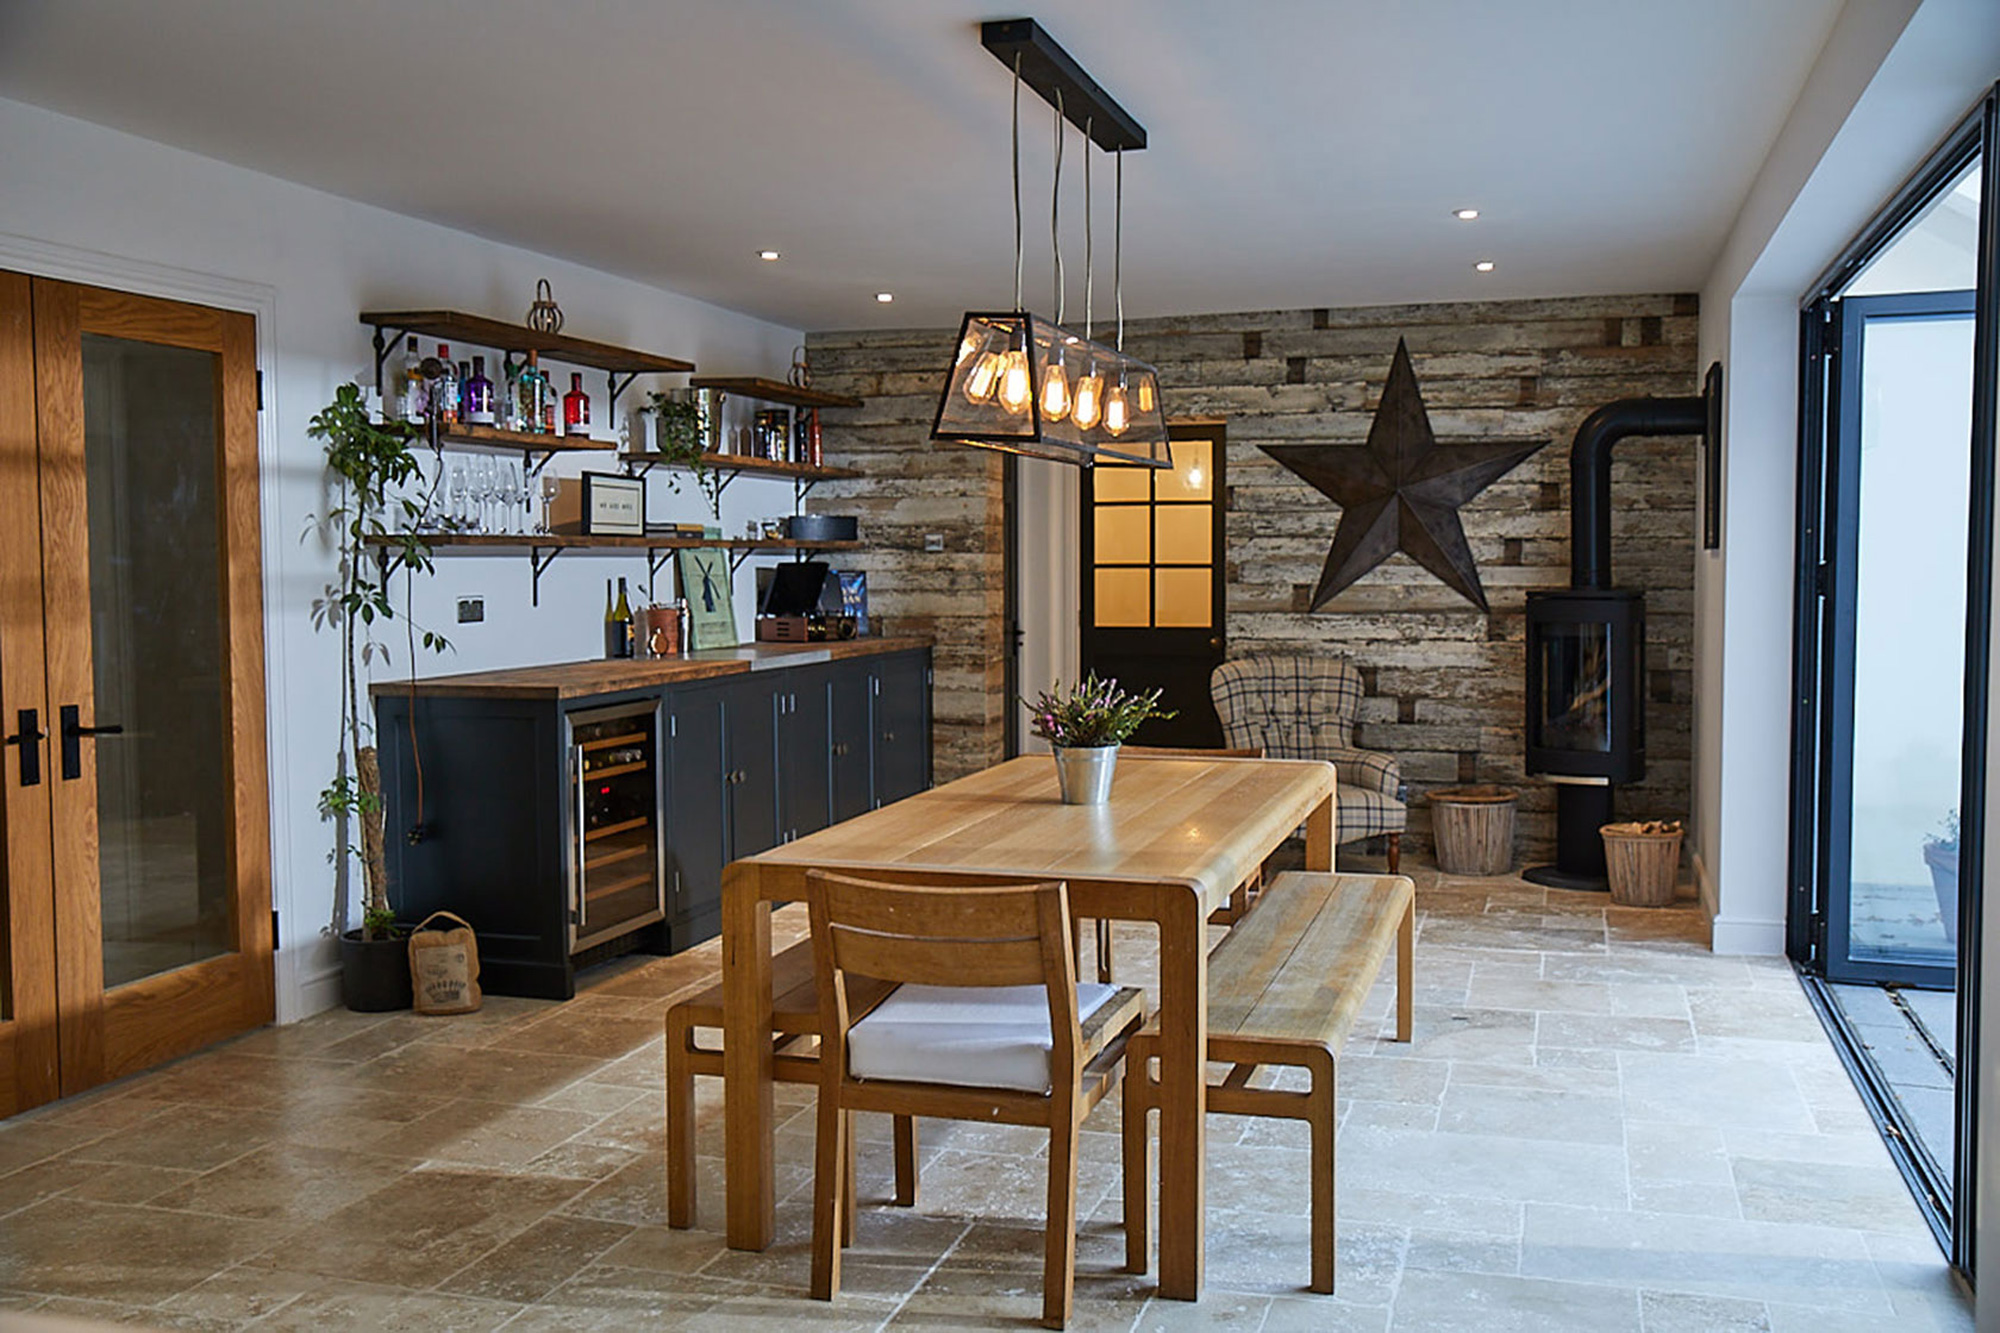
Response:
column 1177, row 835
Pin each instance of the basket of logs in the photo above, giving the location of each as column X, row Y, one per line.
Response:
column 1643, row 861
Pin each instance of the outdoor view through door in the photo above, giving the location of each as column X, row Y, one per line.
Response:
column 1153, row 582
column 1895, row 542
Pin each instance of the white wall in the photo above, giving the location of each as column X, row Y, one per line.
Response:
column 1050, row 592
column 90, row 204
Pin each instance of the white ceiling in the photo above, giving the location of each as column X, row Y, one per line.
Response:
column 1303, row 152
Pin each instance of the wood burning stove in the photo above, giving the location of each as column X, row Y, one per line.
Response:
column 1586, row 649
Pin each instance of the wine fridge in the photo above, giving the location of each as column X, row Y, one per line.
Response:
column 616, row 855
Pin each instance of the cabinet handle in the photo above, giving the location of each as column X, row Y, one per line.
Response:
column 888, row 735
column 29, row 738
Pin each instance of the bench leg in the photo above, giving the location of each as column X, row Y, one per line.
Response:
column 1406, row 951
column 1137, row 1165
column 1322, row 1069
column 906, row 1161
column 1395, row 853
column 680, row 1130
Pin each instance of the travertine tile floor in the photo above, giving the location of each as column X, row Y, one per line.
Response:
column 1599, row 1126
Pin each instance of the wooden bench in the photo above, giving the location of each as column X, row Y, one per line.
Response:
column 794, row 1059
column 1284, row 988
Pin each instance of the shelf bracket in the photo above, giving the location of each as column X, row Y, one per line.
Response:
column 384, row 341
column 636, row 466
column 616, row 386
column 801, row 488
column 656, row 557
column 532, row 465
column 538, row 562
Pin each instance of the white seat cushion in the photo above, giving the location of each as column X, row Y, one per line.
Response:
column 967, row 1036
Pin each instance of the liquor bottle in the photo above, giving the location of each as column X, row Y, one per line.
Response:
column 576, row 407
column 528, row 394
column 444, row 392
column 621, row 618
column 611, row 627
column 546, row 395
column 479, row 395
column 464, row 390
column 416, row 396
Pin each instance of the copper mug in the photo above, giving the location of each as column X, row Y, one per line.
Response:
column 657, row 631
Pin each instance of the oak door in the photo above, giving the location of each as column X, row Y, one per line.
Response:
column 133, row 802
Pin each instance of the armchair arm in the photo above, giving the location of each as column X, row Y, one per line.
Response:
column 1365, row 768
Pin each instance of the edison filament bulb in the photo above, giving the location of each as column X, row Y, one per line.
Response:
column 1088, row 408
column 1055, row 389
column 1015, row 390
column 1117, row 415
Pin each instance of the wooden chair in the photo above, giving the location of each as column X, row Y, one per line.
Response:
column 988, row 1025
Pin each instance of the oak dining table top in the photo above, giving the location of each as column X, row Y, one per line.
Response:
column 1176, row 837
column 1206, row 823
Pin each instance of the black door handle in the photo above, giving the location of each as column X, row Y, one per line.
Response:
column 73, row 732
column 29, row 737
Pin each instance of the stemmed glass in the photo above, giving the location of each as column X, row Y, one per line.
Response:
column 458, row 515
column 486, row 492
column 510, row 496
column 551, row 487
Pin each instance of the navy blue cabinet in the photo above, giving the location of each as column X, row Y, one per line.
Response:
column 487, row 826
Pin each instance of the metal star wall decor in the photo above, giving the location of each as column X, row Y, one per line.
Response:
column 1401, row 491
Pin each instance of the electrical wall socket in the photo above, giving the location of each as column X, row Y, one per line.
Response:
column 934, row 542
column 471, row 610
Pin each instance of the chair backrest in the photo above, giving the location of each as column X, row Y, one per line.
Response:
column 1279, row 703
column 1189, row 752
column 985, row 936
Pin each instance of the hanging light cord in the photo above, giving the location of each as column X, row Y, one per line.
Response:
column 1055, row 208
column 1089, row 265
column 1118, row 245
column 1017, row 180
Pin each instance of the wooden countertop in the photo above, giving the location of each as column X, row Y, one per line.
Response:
column 574, row 680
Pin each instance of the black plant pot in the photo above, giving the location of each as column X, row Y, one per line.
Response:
column 374, row 974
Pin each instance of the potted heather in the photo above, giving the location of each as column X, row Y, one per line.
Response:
column 1941, row 855
column 1085, row 726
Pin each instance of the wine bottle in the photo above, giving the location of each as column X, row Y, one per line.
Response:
column 416, row 398
column 612, row 629
column 576, row 407
column 621, row 617
column 479, row 395
column 530, row 394
column 444, row 393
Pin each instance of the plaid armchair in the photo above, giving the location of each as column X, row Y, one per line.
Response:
column 1304, row 708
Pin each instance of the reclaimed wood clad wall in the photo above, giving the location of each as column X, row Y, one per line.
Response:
column 1443, row 680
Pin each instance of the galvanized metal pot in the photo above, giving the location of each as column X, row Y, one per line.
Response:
column 1084, row 773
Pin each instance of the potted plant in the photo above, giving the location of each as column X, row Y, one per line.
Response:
column 368, row 461
column 1941, row 855
column 683, row 440
column 1085, row 726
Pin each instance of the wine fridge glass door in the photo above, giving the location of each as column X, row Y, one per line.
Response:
column 617, row 880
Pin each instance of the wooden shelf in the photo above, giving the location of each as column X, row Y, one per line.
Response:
column 750, row 463
column 492, row 437
column 556, row 541
column 773, row 391
column 479, row 331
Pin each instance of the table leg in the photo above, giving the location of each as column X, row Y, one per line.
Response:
column 1183, row 1095
column 1319, row 836
column 748, row 1115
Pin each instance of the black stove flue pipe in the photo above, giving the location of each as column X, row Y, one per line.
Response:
column 1583, row 803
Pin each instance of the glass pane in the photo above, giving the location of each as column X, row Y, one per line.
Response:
column 1193, row 475
column 1185, row 598
column 1576, row 681
column 1939, row 252
column 1121, row 535
column 1122, row 601
column 1185, row 534
column 1121, row 483
column 150, row 449
column 1909, row 634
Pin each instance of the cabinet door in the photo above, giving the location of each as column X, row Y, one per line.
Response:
column 805, row 753
column 753, row 766
column 850, row 781
column 902, row 708
column 697, row 802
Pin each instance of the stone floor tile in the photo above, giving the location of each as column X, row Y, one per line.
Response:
column 136, row 1256
column 1462, row 1252
column 1706, row 1090
column 537, row 1261
column 1523, row 1113
column 1672, row 1312
column 1613, row 1032
column 1497, row 1303
column 1783, row 1192
column 1488, row 1167
column 284, row 1184
column 1323, row 1314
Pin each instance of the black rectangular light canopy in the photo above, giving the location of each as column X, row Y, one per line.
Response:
column 1046, row 67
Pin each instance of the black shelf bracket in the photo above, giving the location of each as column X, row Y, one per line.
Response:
column 384, row 341
column 538, row 562
column 656, row 558
column 616, row 387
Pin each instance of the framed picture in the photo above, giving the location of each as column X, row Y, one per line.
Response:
column 711, row 609
column 614, row 506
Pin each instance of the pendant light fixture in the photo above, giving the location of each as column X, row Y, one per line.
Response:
column 1026, row 385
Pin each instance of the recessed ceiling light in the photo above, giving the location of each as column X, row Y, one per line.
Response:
column 885, row 297
column 1465, row 214
column 1484, row 266
column 768, row 255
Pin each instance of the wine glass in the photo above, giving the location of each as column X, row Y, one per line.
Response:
column 551, row 487
column 510, row 496
column 458, row 507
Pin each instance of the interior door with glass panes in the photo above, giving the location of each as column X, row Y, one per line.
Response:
column 1153, row 582
column 131, row 663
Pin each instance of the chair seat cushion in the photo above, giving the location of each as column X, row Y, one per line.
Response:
column 1364, row 813
column 966, row 1036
